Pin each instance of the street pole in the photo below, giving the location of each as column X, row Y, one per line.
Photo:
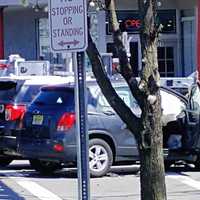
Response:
column 81, row 126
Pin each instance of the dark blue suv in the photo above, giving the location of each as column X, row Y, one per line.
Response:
column 49, row 136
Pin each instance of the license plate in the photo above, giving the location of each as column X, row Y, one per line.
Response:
column 37, row 119
column 1, row 108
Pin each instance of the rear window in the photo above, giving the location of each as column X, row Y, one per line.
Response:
column 60, row 97
column 27, row 93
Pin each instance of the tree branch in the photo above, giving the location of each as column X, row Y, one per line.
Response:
column 107, row 89
column 149, row 32
column 125, row 68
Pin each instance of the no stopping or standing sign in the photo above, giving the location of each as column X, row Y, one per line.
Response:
column 68, row 25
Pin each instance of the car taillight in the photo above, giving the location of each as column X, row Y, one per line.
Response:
column 66, row 121
column 14, row 112
column 58, row 148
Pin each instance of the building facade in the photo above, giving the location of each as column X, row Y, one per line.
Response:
column 24, row 31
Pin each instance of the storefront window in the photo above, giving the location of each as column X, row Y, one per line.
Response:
column 57, row 60
column 44, row 47
column 188, row 31
column 166, row 58
column 166, row 61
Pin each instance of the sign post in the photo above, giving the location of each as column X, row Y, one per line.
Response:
column 81, row 119
column 68, row 33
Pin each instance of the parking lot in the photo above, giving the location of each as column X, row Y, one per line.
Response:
column 37, row 130
column 20, row 182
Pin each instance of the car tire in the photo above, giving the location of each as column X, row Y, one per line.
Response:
column 5, row 161
column 100, row 157
column 44, row 167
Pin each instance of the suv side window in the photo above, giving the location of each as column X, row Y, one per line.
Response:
column 125, row 94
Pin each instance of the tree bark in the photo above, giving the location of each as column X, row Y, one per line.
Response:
column 150, row 143
column 151, row 151
column 147, row 129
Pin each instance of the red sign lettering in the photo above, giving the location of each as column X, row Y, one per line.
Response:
column 132, row 23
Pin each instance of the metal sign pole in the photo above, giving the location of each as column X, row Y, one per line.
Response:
column 81, row 126
column 65, row 22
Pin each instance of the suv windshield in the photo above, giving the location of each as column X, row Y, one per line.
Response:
column 58, row 97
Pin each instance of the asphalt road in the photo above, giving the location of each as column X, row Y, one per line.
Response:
column 19, row 182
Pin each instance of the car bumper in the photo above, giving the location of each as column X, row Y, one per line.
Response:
column 44, row 149
column 8, row 140
column 8, row 136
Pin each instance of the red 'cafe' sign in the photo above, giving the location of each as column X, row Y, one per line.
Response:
column 132, row 23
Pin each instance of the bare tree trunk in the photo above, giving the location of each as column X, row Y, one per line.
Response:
column 152, row 176
column 151, row 137
column 148, row 129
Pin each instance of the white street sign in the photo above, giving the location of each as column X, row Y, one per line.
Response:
column 68, row 25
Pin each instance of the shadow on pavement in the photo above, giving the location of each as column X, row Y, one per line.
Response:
column 24, row 169
column 21, row 169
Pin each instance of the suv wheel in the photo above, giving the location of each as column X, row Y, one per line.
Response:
column 100, row 157
column 4, row 161
column 44, row 167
